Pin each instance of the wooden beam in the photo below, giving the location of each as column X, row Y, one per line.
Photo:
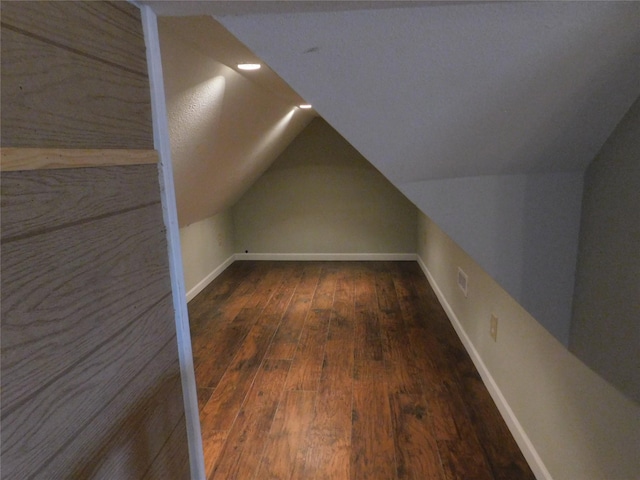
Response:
column 17, row 159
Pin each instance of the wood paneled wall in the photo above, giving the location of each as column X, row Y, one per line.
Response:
column 90, row 372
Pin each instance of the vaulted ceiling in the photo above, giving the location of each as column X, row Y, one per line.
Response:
column 485, row 114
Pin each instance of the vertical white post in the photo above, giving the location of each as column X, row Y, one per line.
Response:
column 167, row 191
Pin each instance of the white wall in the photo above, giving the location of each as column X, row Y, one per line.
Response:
column 207, row 249
column 570, row 423
column 606, row 311
column 321, row 196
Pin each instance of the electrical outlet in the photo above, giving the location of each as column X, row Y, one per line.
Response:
column 493, row 327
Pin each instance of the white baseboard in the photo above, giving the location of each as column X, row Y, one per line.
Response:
column 328, row 257
column 297, row 257
column 519, row 434
column 209, row 278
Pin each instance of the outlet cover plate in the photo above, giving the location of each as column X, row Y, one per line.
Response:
column 493, row 327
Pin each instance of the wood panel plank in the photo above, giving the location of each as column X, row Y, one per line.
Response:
column 286, row 339
column 285, row 449
column 330, row 462
column 209, row 371
column 369, row 359
column 220, row 412
column 222, row 408
column 213, row 317
column 66, row 292
column 372, row 443
column 21, row 159
column 143, row 446
column 416, row 448
column 229, row 333
column 463, row 457
column 307, row 361
column 204, row 394
column 55, row 98
column 102, row 30
column 172, row 462
column 402, row 372
column 34, row 202
column 139, row 437
column 328, row 452
column 101, row 393
column 213, row 442
column 362, row 425
column 441, row 416
column 245, row 444
column 264, row 309
column 493, row 432
column 372, row 437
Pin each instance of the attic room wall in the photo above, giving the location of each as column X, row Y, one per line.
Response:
column 580, row 426
column 607, row 297
column 207, row 249
column 321, row 196
column 521, row 228
column 91, row 382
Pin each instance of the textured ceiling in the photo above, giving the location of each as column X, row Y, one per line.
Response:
column 459, row 89
column 462, row 90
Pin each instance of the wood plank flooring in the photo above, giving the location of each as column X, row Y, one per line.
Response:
column 340, row 370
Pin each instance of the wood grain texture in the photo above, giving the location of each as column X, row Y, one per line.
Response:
column 142, row 434
column 246, row 440
column 90, row 372
column 62, row 290
column 372, row 436
column 417, row 454
column 383, row 390
column 42, row 201
column 307, row 361
column 286, row 339
column 329, row 442
column 285, row 451
column 116, row 37
column 173, row 460
column 19, row 159
column 57, row 95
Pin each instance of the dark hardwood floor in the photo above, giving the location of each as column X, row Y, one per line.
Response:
column 341, row 370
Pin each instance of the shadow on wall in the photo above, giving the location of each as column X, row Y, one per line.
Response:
column 507, row 223
column 606, row 310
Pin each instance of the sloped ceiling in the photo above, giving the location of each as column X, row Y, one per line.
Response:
column 226, row 126
column 485, row 114
column 461, row 90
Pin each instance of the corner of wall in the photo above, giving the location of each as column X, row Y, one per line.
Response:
column 555, row 406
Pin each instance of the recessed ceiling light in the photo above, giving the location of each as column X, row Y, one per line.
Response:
column 305, row 106
column 249, row 66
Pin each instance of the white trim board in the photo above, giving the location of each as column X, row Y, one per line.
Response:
column 170, row 214
column 519, row 434
column 202, row 284
column 328, row 257
column 300, row 257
